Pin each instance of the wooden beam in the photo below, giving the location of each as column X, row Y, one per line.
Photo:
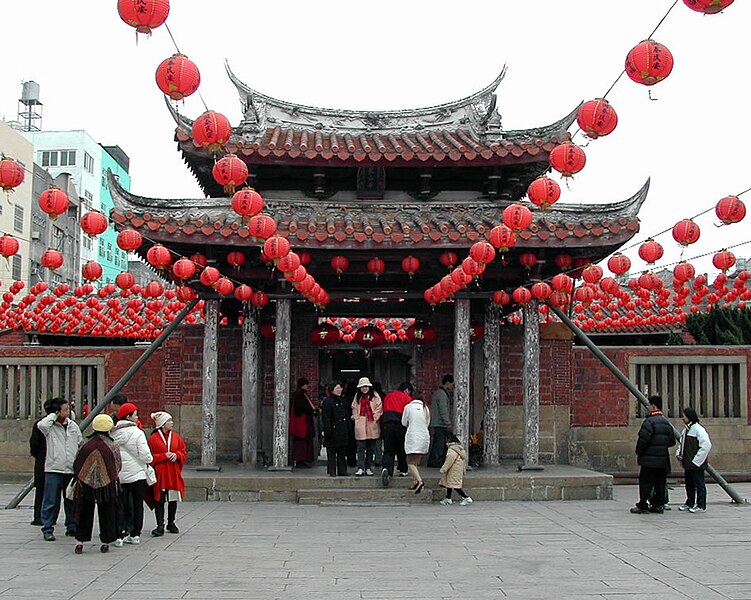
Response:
column 250, row 383
column 281, row 384
column 531, row 383
column 461, row 370
column 492, row 361
column 210, row 375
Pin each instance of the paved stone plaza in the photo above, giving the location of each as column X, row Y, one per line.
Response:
column 577, row 549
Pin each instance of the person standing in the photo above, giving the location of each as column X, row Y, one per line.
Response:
column 692, row 453
column 453, row 471
column 655, row 437
column 415, row 418
column 170, row 454
column 302, row 426
column 96, row 470
column 136, row 456
column 38, row 449
column 393, row 432
column 335, row 420
column 367, row 409
column 63, row 437
column 440, row 421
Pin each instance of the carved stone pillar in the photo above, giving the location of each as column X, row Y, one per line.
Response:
column 461, row 370
column 281, row 384
column 210, row 375
column 250, row 358
column 492, row 361
column 531, row 383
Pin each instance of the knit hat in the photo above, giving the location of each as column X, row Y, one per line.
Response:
column 126, row 409
column 364, row 382
column 102, row 423
column 160, row 418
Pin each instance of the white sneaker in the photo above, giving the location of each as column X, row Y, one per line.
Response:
column 446, row 501
column 696, row 509
column 685, row 507
column 403, row 473
column 118, row 543
column 359, row 473
column 369, row 472
column 132, row 539
column 466, row 501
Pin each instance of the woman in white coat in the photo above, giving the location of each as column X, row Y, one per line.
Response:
column 415, row 418
column 136, row 455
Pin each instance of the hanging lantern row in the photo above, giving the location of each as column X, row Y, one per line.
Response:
column 144, row 15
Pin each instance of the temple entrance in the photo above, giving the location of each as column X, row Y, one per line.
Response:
column 387, row 367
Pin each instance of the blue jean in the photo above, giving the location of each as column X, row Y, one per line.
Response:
column 696, row 488
column 364, row 453
column 54, row 489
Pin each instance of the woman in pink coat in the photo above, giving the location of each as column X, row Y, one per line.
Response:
column 367, row 409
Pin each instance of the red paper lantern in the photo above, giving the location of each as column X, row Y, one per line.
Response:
column 610, row 286
column 288, row 263
column 11, row 174
column 410, row 264
column 297, row 275
column 94, row 223
column 708, row 7
column 592, row 274
column 517, row 217
column 259, row 299
column 562, row 283
column 376, row 266
column 369, row 337
column 585, row 294
column 209, row 276
column 648, row 281
column 339, row 264
column 178, row 76
column 268, row 329
column 528, row 260
column 501, row 297
column 52, row 259
column 91, row 271
column 650, row 251
column 420, row 333
column 540, row 290
column 261, row 226
column 567, row 159
column 144, row 15
column 563, row 261
column 618, row 264
column 153, row 289
column 54, row 202
column 543, row 192
column 686, row 232
column 521, row 295
column 597, row 118
column 276, row 247
column 482, row 253
column 247, row 203
column 129, row 240
column 723, row 260
column 460, row 277
column 649, row 62
column 325, row 334
column 431, row 297
column 125, row 281
column 683, row 271
column 502, row 237
column 243, row 293
column 184, row 268
column 235, row 259
column 230, row 172
column 211, row 131
column 159, row 257
column 472, row 267
column 730, row 210
column 223, row 286
column 448, row 259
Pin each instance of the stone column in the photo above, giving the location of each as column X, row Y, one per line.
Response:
column 210, row 375
column 531, row 383
column 281, row 384
column 250, row 358
column 492, row 361
column 461, row 370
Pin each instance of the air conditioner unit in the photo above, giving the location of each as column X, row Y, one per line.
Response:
column 35, row 235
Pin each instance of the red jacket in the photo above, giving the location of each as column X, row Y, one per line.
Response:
column 396, row 401
column 168, row 474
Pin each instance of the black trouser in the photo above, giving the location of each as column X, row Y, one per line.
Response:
column 437, row 453
column 159, row 511
column 459, row 491
column 107, row 520
column 336, row 460
column 393, row 445
column 38, row 490
column 652, row 478
column 696, row 488
column 130, row 506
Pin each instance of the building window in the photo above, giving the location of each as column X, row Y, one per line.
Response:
column 58, row 158
column 59, row 239
column 109, row 252
column 18, row 219
column 88, row 162
column 101, row 248
column 87, row 242
column 17, row 266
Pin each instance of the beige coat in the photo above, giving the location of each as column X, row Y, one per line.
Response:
column 364, row 429
column 454, row 467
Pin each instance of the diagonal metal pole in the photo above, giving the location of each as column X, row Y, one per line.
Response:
column 116, row 388
column 732, row 492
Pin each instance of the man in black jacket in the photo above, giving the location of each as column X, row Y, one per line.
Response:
column 655, row 437
column 38, row 449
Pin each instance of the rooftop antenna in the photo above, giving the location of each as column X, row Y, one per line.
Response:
column 29, row 107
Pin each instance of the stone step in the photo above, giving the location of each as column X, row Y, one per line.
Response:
column 363, row 496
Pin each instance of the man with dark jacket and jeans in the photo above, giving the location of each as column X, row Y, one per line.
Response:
column 440, row 421
column 655, row 437
column 393, row 432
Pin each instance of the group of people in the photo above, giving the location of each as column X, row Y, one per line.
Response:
column 402, row 422
column 113, row 472
column 656, row 436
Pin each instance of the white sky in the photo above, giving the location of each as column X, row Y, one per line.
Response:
column 691, row 140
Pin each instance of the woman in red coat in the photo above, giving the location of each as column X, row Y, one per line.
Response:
column 170, row 453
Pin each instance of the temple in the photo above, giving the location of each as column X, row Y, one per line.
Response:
column 379, row 184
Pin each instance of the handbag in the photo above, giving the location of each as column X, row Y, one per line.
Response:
column 150, row 475
column 70, row 489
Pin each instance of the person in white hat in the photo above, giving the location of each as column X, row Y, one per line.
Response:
column 367, row 409
column 170, row 454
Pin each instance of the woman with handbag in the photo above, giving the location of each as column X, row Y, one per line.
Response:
column 136, row 459
column 170, row 455
column 301, row 425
